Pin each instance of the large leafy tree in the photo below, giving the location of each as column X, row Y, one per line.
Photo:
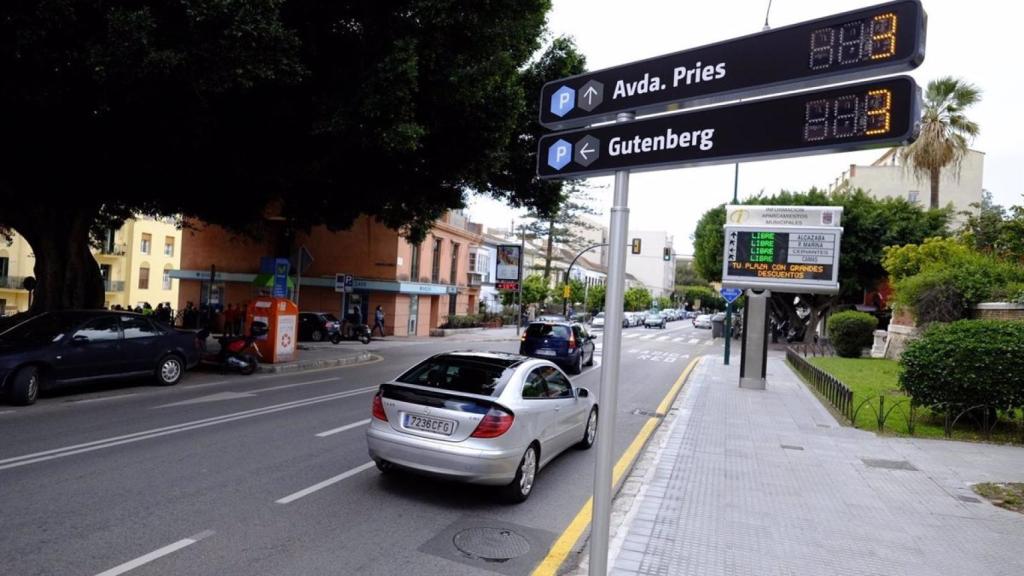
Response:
column 945, row 130
column 994, row 229
column 312, row 111
column 562, row 224
column 869, row 225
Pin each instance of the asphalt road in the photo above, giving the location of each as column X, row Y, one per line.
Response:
column 269, row 475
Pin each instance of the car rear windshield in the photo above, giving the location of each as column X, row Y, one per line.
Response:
column 329, row 317
column 545, row 330
column 458, row 375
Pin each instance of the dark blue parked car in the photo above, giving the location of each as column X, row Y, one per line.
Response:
column 74, row 346
column 567, row 344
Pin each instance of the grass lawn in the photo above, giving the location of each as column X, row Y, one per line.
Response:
column 870, row 378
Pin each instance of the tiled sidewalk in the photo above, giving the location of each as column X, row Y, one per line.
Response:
column 766, row 483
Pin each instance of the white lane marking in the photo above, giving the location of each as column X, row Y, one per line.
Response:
column 205, row 384
column 708, row 342
column 693, row 341
column 648, row 337
column 215, row 397
column 147, row 558
column 83, row 401
column 343, row 428
column 678, row 339
column 662, row 338
column 282, row 387
column 631, row 335
column 7, row 412
column 174, row 429
column 321, row 485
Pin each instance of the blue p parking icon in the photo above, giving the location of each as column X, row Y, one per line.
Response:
column 559, row 154
column 562, row 101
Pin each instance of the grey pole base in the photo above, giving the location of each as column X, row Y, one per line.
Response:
column 754, row 362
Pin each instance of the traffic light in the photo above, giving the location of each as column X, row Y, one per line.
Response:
column 666, row 254
column 636, row 245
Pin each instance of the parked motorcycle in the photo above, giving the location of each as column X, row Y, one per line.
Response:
column 236, row 352
column 360, row 332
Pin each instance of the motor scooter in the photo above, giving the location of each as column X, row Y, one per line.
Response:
column 236, row 352
column 360, row 332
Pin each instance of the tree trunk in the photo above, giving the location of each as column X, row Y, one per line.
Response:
column 934, row 178
column 67, row 274
column 547, row 256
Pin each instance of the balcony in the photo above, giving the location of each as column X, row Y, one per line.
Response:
column 113, row 285
column 113, row 250
column 474, row 279
column 11, row 282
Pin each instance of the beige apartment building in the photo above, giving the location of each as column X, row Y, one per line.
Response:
column 135, row 262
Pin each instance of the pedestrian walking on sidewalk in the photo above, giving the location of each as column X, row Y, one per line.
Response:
column 378, row 321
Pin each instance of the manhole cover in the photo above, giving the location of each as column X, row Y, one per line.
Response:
column 491, row 544
column 889, row 464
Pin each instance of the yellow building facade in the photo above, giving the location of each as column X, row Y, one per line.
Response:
column 135, row 262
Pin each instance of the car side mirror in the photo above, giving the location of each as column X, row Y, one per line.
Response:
column 582, row 393
column 80, row 339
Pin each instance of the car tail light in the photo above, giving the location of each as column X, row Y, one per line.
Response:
column 495, row 423
column 378, row 408
column 572, row 341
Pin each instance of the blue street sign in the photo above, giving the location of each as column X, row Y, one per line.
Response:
column 559, row 154
column 563, row 101
column 281, row 266
column 731, row 294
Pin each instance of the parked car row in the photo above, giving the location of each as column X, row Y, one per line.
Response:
column 57, row 349
column 631, row 319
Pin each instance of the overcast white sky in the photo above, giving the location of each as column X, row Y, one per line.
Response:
column 979, row 41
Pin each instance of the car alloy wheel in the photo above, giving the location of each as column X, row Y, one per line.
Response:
column 316, row 336
column 527, row 471
column 169, row 371
column 590, row 434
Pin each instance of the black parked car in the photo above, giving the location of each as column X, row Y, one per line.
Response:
column 74, row 346
column 566, row 344
column 317, row 326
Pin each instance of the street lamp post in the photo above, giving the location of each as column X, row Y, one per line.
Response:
column 565, row 298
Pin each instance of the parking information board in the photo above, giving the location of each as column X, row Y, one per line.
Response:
column 788, row 259
column 867, row 115
column 884, row 39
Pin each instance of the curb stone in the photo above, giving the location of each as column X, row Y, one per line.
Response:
column 304, row 365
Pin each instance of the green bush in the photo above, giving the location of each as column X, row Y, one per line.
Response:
column 465, row 321
column 851, row 332
column 967, row 363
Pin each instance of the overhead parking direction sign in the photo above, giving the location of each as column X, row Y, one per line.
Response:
column 884, row 39
column 867, row 115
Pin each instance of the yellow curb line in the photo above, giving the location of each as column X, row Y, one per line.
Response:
column 567, row 540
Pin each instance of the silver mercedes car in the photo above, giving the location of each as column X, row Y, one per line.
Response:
column 481, row 417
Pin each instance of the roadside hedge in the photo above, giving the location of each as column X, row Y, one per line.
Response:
column 850, row 332
column 967, row 363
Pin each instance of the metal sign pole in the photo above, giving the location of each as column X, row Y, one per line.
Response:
column 522, row 278
column 610, row 371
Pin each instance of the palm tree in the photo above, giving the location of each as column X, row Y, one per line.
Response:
column 944, row 130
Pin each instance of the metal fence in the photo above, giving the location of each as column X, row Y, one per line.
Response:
column 826, row 384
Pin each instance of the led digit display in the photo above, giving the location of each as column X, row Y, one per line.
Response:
column 848, row 115
column 854, row 42
column 870, row 42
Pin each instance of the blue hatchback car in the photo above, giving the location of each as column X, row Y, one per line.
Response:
column 565, row 343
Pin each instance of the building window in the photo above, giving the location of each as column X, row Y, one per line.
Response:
column 483, row 266
column 167, row 279
column 108, row 241
column 472, row 262
column 169, row 246
column 5, row 264
column 452, row 279
column 414, row 264
column 912, row 196
column 452, row 298
column 147, row 243
column 435, row 268
column 144, row 278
